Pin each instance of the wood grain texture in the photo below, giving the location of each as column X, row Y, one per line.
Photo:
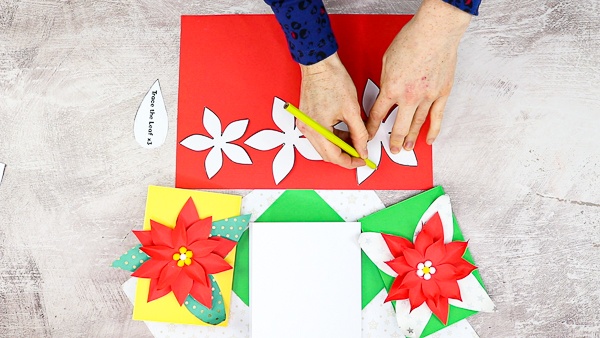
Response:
column 519, row 155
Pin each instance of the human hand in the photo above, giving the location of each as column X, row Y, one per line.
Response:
column 328, row 96
column 418, row 72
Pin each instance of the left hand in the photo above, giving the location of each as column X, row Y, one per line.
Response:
column 418, row 73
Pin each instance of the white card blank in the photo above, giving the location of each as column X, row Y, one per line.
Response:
column 305, row 280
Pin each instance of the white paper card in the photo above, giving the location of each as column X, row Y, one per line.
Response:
column 305, row 280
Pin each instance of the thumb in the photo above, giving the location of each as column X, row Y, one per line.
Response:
column 378, row 113
column 358, row 131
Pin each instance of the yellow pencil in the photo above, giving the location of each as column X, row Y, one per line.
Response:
column 326, row 133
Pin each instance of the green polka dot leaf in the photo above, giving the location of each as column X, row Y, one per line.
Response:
column 231, row 228
column 213, row 316
column 131, row 260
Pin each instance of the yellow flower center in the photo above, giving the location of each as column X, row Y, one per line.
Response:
column 183, row 257
column 426, row 269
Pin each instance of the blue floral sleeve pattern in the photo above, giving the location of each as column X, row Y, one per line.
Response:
column 307, row 29
column 469, row 6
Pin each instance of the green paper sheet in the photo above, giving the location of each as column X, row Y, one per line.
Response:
column 401, row 220
column 291, row 206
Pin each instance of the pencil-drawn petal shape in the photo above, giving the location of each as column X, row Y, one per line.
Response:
column 235, row 130
column 374, row 149
column 213, row 162
column 282, row 118
column 211, row 122
column 283, row 162
column 236, row 153
column 306, row 149
column 197, row 142
column 404, row 157
column 265, row 140
column 369, row 96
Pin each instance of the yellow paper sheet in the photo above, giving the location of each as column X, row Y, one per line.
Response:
column 163, row 205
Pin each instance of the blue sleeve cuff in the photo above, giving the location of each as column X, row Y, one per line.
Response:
column 307, row 29
column 469, row 6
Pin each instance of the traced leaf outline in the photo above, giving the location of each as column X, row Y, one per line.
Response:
column 381, row 138
column 220, row 142
column 289, row 136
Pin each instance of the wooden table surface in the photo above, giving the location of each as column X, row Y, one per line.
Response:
column 519, row 155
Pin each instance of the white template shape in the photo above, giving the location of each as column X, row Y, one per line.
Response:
column 305, row 280
column 220, row 142
column 151, row 122
column 381, row 138
column 289, row 136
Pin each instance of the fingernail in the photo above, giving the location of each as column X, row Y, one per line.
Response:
column 409, row 145
column 395, row 150
column 430, row 141
column 365, row 153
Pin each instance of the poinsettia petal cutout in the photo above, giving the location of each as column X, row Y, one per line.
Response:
column 202, row 294
column 376, row 249
column 150, row 268
column 412, row 323
column 196, row 272
column 306, row 149
column 182, row 287
column 369, row 96
column 197, row 142
column 283, row 163
column 219, row 142
column 266, row 139
column 225, row 246
column 212, row 123
column 381, row 138
column 290, row 137
column 443, row 207
column 188, row 214
column 200, row 230
column 155, row 292
column 282, row 118
column 213, row 263
column 474, row 296
column 236, row 153
column 374, row 149
column 203, row 247
column 214, row 162
column 214, row 315
column 145, row 237
column 161, row 234
column 235, row 130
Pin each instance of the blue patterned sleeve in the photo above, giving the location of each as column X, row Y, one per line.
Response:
column 307, row 29
column 469, row 6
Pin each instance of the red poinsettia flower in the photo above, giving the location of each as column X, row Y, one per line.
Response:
column 182, row 258
column 428, row 270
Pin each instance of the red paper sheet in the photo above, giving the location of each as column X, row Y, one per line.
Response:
column 235, row 65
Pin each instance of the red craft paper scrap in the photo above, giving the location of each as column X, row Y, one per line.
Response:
column 237, row 67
